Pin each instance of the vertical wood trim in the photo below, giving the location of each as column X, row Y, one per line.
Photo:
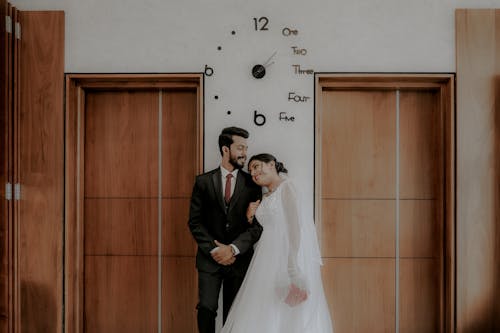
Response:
column 478, row 233
column 80, row 200
column 74, row 198
column 160, row 186
column 317, row 158
column 449, row 241
column 496, row 154
column 10, row 227
column 398, row 166
column 16, row 309
column 70, row 209
column 5, row 159
column 200, row 123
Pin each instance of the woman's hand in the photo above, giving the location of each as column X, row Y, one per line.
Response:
column 295, row 295
column 252, row 207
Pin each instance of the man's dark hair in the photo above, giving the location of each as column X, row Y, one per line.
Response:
column 226, row 136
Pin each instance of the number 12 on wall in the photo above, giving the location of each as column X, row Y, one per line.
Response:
column 260, row 24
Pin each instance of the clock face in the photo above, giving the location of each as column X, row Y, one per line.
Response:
column 260, row 72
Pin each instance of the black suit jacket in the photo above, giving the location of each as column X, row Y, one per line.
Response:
column 209, row 219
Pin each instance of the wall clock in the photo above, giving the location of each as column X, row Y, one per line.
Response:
column 259, row 70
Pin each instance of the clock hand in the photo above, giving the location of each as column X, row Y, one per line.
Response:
column 259, row 71
column 267, row 64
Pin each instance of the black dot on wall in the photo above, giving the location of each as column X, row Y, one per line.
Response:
column 216, row 97
column 219, row 48
column 228, row 111
column 233, row 32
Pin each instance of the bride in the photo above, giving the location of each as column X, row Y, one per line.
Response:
column 282, row 290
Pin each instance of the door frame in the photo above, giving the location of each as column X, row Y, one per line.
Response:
column 76, row 87
column 445, row 84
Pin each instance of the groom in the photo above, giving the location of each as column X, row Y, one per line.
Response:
column 219, row 224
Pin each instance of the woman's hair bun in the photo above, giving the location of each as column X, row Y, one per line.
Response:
column 268, row 158
column 280, row 167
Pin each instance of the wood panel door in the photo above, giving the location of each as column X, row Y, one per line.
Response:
column 134, row 157
column 384, row 164
column 31, row 169
column 39, row 168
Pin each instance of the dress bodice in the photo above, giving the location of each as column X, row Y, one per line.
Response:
column 270, row 210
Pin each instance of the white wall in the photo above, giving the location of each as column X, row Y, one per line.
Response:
column 182, row 36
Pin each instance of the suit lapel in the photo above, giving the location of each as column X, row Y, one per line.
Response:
column 238, row 188
column 216, row 180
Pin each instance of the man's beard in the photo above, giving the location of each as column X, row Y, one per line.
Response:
column 233, row 160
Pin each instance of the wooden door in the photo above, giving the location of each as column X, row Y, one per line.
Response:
column 31, row 169
column 137, row 152
column 382, row 204
column 39, row 167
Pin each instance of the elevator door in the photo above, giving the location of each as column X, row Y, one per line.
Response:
column 382, row 181
column 139, row 156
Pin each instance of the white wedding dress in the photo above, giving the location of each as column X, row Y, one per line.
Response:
column 286, row 253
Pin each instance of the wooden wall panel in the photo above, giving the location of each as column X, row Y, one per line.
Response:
column 478, row 175
column 179, row 168
column 179, row 142
column 358, row 304
column 119, row 226
column 121, row 294
column 419, row 305
column 179, row 295
column 369, row 157
column 420, row 145
column 421, row 179
column 358, row 228
column 177, row 240
column 121, row 144
column 419, row 233
column 40, row 172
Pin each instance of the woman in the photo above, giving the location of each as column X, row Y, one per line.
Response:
column 282, row 290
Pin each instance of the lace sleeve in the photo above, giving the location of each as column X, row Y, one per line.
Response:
column 292, row 218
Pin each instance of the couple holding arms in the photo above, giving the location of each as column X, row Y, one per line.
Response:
column 259, row 246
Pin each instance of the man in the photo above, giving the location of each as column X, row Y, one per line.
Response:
column 219, row 222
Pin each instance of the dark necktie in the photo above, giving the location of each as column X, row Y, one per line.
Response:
column 227, row 190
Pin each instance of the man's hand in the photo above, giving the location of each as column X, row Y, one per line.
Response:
column 223, row 254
